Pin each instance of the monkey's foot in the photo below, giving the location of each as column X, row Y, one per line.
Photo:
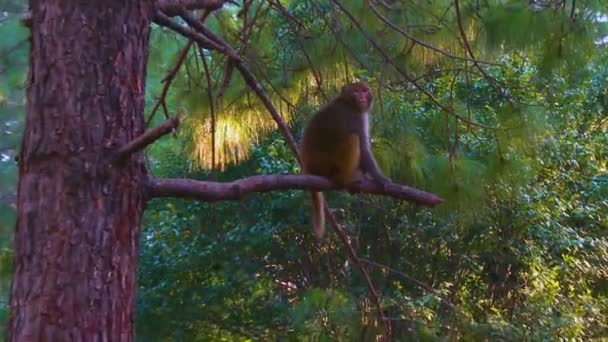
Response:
column 354, row 187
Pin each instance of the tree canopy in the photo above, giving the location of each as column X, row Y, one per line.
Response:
column 499, row 107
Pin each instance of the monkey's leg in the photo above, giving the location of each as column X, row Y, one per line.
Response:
column 347, row 160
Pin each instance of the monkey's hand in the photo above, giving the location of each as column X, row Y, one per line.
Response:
column 355, row 184
column 373, row 175
column 380, row 179
column 369, row 168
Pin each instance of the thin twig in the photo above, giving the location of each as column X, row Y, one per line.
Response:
column 167, row 82
column 163, row 20
column 218, row 43
column 417, row 40
column 172, row 7
column 249, row 78
column 264, row 77
column 211, row 107
column 171, row 76
column 490, row 79
column 374, row 296
column 340, row 39
column 292, row 28
column 411, row 279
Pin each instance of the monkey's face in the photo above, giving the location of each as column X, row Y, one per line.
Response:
column 360, row 93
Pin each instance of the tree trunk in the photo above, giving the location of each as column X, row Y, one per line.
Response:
column 78, row 212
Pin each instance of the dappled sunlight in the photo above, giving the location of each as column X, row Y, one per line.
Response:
column 241, row 122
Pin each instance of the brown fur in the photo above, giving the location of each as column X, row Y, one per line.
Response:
column 336, row 144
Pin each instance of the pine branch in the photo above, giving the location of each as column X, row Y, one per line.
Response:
column 419, row 41
column 401, row 71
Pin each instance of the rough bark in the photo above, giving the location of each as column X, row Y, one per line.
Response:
column 78, row 213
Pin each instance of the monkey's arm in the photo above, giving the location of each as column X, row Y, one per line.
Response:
column 367, row 163
column 369, row 166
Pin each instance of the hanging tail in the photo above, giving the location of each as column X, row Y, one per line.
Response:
column 318, row 214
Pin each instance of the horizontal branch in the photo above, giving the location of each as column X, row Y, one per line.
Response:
column 236, row 190
column 147, row 138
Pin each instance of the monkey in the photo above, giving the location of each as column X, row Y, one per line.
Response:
column 336, row 145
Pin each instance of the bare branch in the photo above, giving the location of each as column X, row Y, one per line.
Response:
column 172, row 7
column 147, row 138
column 211, row 105
column 293, row 26
column 492, row 81
column 352, row 254
column 169, row 79
column 207, row 43
column 418, row 283
column 211, row 41
column 236, row 190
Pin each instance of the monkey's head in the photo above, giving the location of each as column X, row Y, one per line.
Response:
column 358, row 93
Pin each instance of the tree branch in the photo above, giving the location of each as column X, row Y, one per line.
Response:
column 409, row 278
column 147, row 138
column 468, row 49
column 173, row 7
column 236, row 190
column 163, row 20
column 352, row 254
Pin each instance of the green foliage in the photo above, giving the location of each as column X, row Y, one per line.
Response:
column 325, row 315
column 519, row 250
column 13, row 63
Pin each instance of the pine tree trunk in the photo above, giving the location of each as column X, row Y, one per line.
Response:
column 76, row 240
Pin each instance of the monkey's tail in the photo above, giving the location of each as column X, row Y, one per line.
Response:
column 318, row 214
